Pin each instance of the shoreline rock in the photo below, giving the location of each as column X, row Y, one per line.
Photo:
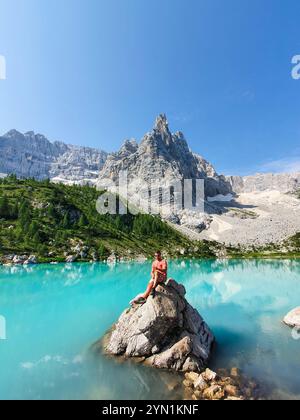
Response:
column 167, row 332
column 32, row 260
column 71, row 259
column 11, row 260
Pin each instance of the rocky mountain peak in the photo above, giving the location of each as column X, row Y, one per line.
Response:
column 30, row 134
column 12, row 134
column 179, row 137
column 33, row 155
column 162, row 157
column 161, row 124
column 129, row 146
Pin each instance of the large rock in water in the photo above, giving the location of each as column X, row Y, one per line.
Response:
column 293, row 318
column 166, row 331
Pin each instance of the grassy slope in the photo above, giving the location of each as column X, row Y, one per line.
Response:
column 45, row 218
column 57, row 217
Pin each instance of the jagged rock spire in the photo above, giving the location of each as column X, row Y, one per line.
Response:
column 161, row 123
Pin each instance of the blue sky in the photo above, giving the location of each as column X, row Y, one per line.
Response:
column 95, row 72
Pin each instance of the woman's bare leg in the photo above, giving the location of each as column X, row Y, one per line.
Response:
column 144, row 295
column 149, row 289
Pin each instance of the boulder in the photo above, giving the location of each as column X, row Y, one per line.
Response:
column 19, row 259
column 31, row 260
column 235, row 372
column 165, row 330
column 232, row 391
column 71, row 258
column 95, row 257
column 209, row 375
column 112, row 259
column 212, row 386
column 214, row 392
column 293, row 318
column 200, row 383
column 192, row 376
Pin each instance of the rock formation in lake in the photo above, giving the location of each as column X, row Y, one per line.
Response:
column 292, row 319
column 33, row 155
column 166, row 332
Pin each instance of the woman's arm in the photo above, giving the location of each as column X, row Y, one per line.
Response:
column 153, row 271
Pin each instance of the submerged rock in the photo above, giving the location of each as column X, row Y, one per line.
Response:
column 293, row 318
column 212, row 386
column 166, row 330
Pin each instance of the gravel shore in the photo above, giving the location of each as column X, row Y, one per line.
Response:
column 256, row 219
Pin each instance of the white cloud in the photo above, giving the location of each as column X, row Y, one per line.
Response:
column 285, row 165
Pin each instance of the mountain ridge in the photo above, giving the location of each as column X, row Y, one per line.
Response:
column 239, row 210
column 31, row 155
column 60, row 161
column 34, row 155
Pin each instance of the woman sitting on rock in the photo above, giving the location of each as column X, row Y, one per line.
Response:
column 158, row 276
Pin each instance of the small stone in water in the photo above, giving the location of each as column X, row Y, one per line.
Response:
column 172, row 385
column 232, row 391
column 235, row 372
column 214, row 392
column 209, row 375
column 188, row 394
column 198, row 395
column 248, row 392
column 188, row 384
column 200, row 384
column 192, row 376
column 223, row 372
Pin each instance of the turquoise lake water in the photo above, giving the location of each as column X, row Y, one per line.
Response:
column 54, row 313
